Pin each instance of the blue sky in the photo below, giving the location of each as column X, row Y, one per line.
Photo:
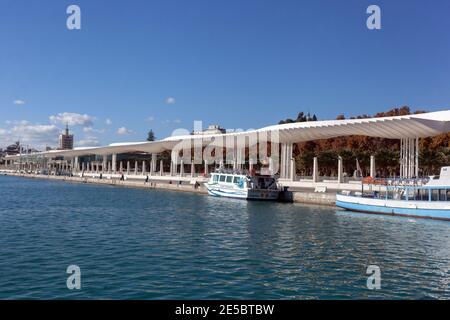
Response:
column 241, row 64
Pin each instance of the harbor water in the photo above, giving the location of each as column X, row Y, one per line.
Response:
column 153, row 244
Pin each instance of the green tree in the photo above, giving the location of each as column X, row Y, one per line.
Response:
column 327, row 162
column 431, row 161
column 304, row 163
column 151, row 136
column 387, row 161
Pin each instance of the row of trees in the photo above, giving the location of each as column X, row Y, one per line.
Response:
column 301, row 117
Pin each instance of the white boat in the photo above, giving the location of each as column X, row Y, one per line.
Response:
column 241, row 186
column 428, row 198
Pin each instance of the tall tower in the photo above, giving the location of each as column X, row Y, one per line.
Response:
column 66, row 139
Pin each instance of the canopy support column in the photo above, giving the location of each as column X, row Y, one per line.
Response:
column 340, row 170
column 76, row 165
column 181, row 168
column 153, row 164
column 286, row 167
column 104, row 165
column 315, row 170
column 372, row 167
column 409, row 158
column 206, row 167
column 114, row 163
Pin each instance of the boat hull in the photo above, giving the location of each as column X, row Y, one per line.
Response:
column 417, row 209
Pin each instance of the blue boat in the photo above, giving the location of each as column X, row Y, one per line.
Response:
column 418, row 198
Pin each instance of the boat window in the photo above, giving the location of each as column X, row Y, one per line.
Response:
column 434, row 195
column 229, row 178
column 215, row 178
column 427, row 195
column 239, row 181
column 222, row 178
column 442, row 195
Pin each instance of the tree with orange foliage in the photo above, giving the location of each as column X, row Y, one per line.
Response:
column 434, row 151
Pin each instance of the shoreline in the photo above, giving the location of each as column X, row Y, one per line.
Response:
column 303, row 197
column 152, row 184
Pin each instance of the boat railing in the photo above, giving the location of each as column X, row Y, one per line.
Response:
column 395, row 181
column 409, row 193
column 244, row 172
column 232, row 171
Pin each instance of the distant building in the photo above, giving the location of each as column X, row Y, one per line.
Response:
column 212, row 129
column 13, row 149
column 66, row 140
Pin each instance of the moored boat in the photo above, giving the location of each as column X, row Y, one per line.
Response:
column 242, row 186
column 419, row 198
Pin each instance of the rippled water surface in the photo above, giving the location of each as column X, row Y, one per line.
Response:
column 147, row 244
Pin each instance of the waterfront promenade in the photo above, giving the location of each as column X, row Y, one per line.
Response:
column 184, row 162
column 242, row 150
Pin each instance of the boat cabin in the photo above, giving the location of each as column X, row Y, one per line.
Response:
column 244, row 181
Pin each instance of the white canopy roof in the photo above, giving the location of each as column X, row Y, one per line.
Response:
column 410, row 126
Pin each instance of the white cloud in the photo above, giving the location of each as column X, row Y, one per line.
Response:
column 175, row 121
column 170, row 100
column 4, row 139
column 73, row 119
column 150, row 119
column 108, row 121
column 19, row 102
column 88, row 141
column 34, row 135
column 92, row 130
column 124, row 131
column 18, row 122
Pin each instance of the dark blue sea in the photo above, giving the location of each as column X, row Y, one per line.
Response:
column 147, row 244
